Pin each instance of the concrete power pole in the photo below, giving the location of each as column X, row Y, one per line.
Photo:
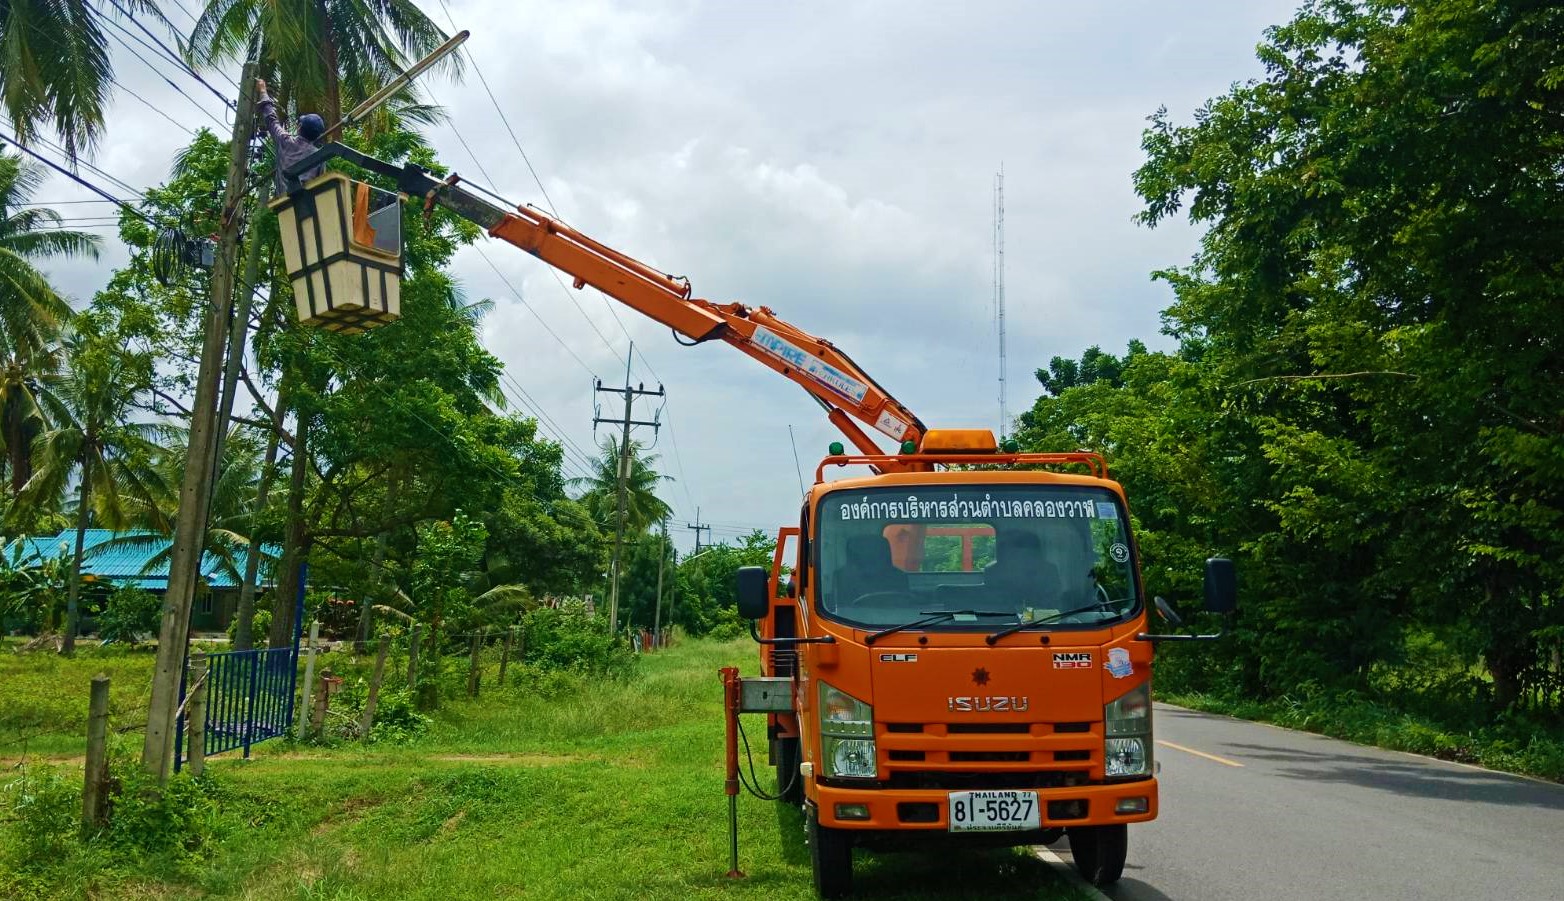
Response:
column 657, row 615
column 626, row 423
column 201, row 459
column 698, row 529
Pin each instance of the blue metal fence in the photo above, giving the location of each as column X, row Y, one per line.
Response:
column 249, row 694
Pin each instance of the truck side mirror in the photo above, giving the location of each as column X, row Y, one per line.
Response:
column 752, row 581
column 1221, row 585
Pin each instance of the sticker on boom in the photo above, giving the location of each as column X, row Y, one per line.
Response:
column 1072, row 660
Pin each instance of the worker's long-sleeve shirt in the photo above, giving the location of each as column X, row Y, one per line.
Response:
column 290, row 148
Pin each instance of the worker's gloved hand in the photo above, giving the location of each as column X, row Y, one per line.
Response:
column 260, row 86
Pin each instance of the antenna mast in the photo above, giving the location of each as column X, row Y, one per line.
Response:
column 999, row 291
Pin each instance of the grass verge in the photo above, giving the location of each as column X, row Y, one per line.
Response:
column 552, row 787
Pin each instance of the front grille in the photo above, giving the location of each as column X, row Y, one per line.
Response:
column 945, row 780
column 989, row 756
column 988, row 728
column 1063, row 756
column 904, row 727
column 907, row 756
column 1072, row 727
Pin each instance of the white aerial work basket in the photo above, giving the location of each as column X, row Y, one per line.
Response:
column 342, row 246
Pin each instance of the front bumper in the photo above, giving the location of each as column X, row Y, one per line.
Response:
column 928, row 809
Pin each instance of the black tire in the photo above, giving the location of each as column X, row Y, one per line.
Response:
column 1099, row 852
column 790, row 783
column 831, row 853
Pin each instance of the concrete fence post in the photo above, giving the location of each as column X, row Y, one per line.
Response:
column 309, row 678
column 94, row 795
column 195, row 715
column 368, row 720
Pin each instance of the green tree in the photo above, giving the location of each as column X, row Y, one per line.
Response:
column 228, row 521
column 707, row 599
column 448, row 552
column 92, row 440
column 600, row 489
column 324, row 56
column 55, row 67
column 1375, row 305
column 31, row 311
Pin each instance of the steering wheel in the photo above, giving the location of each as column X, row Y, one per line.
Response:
column 860, row 600
column 1104, row 600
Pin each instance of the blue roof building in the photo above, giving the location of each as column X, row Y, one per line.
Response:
column 126, row 563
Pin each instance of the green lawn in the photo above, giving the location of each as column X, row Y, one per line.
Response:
column 606, row 790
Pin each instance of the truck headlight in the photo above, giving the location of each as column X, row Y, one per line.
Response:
column 851, row 757
column 846, row 734
column 1124, row 757
column 1126, row 749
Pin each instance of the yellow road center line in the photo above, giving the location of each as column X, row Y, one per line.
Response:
column 1221, row 760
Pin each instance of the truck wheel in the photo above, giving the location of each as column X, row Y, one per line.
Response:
column 790, row 782
column 1099, row 852
column 831, row 852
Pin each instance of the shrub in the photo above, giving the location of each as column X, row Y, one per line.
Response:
column 569, row 638
column 258, row 631
column 180, row 820
column 128, row 613
column 44, row 809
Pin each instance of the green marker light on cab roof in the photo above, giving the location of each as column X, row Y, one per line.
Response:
column 909, row 447
column 835, row 449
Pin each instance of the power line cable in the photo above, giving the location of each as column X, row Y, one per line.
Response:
column 174, row 57
column 153, row 107
column 159, row 72
column 474, row 60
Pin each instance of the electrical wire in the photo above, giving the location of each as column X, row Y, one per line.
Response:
column 153, row 107
column 159, row 72
column 472, row 59
column 174, row 57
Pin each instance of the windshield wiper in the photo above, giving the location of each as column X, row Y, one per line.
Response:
column 930, row 617
column 1011, row 630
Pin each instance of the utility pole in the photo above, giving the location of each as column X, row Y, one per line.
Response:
column 626, row 423
column 200, row 460
column 657, row 615
column 696, row 525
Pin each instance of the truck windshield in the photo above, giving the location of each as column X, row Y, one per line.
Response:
column 1059, row 553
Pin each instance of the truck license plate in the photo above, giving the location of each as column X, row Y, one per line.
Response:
column 994, row 811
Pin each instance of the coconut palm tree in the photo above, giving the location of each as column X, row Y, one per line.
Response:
column 323, row 55
column 31, row 311
column 55, row 67
column 228, row 521
column 643, row 508
column 92, row 440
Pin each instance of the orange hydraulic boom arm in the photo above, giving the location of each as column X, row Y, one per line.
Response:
column 815, row 364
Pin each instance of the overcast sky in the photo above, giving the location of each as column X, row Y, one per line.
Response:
column 833, row 161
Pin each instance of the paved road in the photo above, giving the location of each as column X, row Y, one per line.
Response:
column 1313, row 818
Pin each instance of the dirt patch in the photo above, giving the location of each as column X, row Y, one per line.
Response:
column 344, row 813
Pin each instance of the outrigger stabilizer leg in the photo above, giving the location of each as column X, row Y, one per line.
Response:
column 730, row 714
